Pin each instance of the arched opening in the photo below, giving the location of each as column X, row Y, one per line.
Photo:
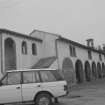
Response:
column 24, row 47
column 103, row 70
column 87, row 71
column 10, row 54
column 34, row 49
column 99, row 70
column 68, row 70
column 94, row 71
column 79, row 71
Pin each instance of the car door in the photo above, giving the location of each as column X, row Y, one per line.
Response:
column 31, row 85
column 10, row 91
column 49, row 82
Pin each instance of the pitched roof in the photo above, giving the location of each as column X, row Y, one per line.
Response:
column 19, row 34
column 80, row 45
column 44, row 63
column 57, row 35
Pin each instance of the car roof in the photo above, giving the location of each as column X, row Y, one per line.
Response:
column 30, row 70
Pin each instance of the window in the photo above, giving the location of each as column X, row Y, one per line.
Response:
column 24, row 47
column 57, row 75
column 89, row 54
column 47, row 76
column 72, row 51
column 34, row 49
column 70, row 47
column 13, row 78
column 100, row 57
column 30, row 77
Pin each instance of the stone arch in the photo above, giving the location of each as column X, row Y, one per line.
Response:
column 94, row 70
column 10, row 54
column 68, row 70
column 79, row 71
column 87, row 71
column 103, row 69
column 99, row 70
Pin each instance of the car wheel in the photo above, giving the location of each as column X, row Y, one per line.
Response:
column 43, row 99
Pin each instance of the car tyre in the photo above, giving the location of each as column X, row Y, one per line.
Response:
column 43, row 99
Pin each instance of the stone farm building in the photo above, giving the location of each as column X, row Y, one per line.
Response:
column 77, row 62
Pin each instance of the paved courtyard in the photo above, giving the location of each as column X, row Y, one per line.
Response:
column 86, row 94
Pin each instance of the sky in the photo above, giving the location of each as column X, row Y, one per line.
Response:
column 77, row 20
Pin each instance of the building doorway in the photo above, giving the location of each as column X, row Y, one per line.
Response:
column 103, row 70
column 94, row 71
column 87, row 71
column 79, row 71
column 10, row 54
column 99, row 70
column 68, row 70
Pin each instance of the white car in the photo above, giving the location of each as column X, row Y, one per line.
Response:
column 41, row 86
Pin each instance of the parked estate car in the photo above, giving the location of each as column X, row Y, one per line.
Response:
column 41, row 86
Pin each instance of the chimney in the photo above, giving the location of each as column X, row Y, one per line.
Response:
column 90, row 42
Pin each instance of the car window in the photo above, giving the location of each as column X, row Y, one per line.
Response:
column 4, row 81
column 47, row 76
column 30, row 77
column 14, row 78
column 57, row 75
column 37, row 76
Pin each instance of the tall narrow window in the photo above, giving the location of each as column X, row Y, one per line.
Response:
column 70, row 48
column 100, row 57
column 72, row 51
column 24, row 47
column 34, row 49
column 89, row 54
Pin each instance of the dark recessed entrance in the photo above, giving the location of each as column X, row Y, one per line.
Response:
column 79, row 71
column 94, row 71
column 10, row 54
column 68, row 70
column 103, row 70
column 87, row 71
column 99, row 70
